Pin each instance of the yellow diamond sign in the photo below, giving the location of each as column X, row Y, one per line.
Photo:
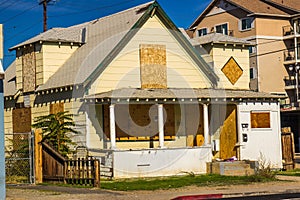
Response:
column 232, row 70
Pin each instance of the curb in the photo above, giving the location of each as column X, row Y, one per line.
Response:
column 199, row 197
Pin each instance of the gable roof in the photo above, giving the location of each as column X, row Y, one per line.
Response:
column 253, row 7
column 106, row 37
column 290, row 4
column 71, row 34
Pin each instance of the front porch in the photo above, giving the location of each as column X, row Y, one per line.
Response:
column 163, row 133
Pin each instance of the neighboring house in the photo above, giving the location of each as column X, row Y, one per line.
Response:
column 147, row 103
column 273, row 26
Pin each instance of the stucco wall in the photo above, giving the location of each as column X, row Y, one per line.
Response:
column 160, row 162
column 264, row 142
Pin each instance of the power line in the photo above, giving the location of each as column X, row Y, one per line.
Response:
column 98, row 8
column 20, row 14
column 9, row 5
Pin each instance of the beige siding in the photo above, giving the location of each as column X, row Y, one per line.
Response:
column 221, row 55
column 54, row 56
column 8, row 127
column 271, row 62
column 19, row 73
column 124, row 71
column 231, row 17
column 270, row 27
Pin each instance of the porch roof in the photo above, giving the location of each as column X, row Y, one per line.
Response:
column 181, row 93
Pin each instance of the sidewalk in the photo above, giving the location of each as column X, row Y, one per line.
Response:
column 288, row 185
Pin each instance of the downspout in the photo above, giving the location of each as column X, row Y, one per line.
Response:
column 296, row 62
column 2, row 145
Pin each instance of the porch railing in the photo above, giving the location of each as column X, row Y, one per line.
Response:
column 290, row 80
column 289, row 54
column 289, row 30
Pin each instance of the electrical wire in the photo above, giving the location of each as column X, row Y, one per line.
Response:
column 24, row 11
column 98, row 8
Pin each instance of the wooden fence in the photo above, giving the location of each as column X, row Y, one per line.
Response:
column 55, row 168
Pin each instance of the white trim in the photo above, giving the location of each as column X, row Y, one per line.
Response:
column 112, row 126
column 206, row 124
column 267, row 37
column 220, row 24
column 161, row 125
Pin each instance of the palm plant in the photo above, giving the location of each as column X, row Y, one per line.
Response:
column 55, row 129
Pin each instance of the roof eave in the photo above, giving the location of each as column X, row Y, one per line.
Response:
column 41, row 41
column 269, row 15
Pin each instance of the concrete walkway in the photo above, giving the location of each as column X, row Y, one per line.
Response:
column 286, row 185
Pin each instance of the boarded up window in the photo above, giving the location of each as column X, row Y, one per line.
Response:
column 21, row 120
column 28, row 64
column 153, row 66
column 232, row 71
column 56, row 107
column 260, row 120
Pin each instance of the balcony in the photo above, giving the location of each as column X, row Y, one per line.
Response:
column 289, row 55
column 290, row 82
column 288, row 31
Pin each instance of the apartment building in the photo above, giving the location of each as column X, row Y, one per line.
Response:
column 273, row 26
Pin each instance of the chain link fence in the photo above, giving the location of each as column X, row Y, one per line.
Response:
column 19, row 158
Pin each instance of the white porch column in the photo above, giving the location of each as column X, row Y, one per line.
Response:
column 112, row 126
column 161, row 125
column 206, row 124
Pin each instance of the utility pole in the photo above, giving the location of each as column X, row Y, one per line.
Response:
column 45, row 4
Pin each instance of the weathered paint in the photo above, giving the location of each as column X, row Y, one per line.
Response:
column 124, row 71
column 160, row 162
column 221, row 54
column 264, row 142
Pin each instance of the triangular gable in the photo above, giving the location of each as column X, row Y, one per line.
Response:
column 155, row 9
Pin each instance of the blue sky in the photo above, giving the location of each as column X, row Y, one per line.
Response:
column 23, row 19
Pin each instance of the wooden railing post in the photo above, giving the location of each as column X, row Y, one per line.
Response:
column 97, row 174
column 38, row 156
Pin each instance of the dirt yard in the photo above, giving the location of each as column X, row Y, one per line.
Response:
column 292, row 184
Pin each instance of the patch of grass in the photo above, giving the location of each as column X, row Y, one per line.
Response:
column 180, row 181
column 295, row 172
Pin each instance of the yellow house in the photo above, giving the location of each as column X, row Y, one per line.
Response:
column 146, row 101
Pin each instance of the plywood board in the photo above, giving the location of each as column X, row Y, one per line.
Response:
column 228, row 136
column 57, row 107
column 153, row 63
column 21, row 120
column 28, row 66
column 194, row 124
column 232, row 71
column 260, row 120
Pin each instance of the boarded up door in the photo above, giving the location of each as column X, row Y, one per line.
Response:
column 288, row 149
column 228, row 135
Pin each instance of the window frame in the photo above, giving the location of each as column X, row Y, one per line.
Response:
column 221, row 24
column 241, row 24
column 204, row 28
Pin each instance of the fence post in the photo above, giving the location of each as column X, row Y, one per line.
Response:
column 38, row 151
column 97, row 173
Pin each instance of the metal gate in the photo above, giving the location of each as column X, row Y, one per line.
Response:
column 19, row 158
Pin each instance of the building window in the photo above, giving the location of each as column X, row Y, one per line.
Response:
column 252, row 73
column 252, row 50
column 245, row 24
column 202, row 32
column 223, row 28
column 260, row 120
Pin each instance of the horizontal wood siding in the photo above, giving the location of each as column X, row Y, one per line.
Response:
column 124, row 71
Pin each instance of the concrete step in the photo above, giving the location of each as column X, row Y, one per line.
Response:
column 236, row 168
